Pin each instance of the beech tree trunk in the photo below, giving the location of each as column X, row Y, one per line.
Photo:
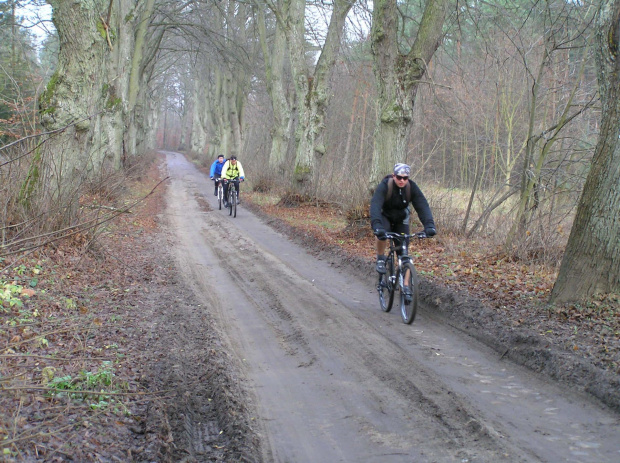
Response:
column 311, row 128
column 200, row 108
column 98, row 91
column 141, row 64
column 80, row 95
column 591, row 263
column 275, row 59
column 398, row 76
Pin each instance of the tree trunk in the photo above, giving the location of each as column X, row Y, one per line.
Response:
column 274, row 59
column 136, row 106
column 236, row 103
column 80, row 95
column 292, row 16
column 98, row 89
column 311, row 128
column 398, row 77
column 591, row 263
column 199, row 114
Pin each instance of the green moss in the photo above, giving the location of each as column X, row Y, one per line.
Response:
column 32, row 179
column 108, row 92
column 113, row 103
column 45, row 100
column 392, row 113
column 82, row 126
column 105, row 33
column 48, row 110
column 301, row 173
column 101, row 28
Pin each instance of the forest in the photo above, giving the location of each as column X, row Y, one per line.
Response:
column 507, row 111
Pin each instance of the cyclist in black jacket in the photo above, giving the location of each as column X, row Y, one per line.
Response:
column 389, row 209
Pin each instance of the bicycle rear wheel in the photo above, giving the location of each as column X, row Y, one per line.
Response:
column 385, row 286
column 408, row 306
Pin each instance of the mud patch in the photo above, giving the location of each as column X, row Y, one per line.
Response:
column 202, row 414
column 520, row 344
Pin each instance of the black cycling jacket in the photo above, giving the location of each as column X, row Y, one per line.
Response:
column 395, row 209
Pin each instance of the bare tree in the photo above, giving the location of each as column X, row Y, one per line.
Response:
column 560, row 33
column 275, row 56
column 399, row 74
column 99, row 90
column 591, row 263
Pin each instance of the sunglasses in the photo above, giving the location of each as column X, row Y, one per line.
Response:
column 398, row 177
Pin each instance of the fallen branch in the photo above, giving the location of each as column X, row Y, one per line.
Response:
column 109, row 208
column 55, row 359
column 75, row 229
column 72, row 391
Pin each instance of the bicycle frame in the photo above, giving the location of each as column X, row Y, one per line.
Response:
column 220, row 191
column 399, row 265
column 232, row 196
column 403, row 256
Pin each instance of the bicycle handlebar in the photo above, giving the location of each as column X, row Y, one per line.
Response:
column 392, row 235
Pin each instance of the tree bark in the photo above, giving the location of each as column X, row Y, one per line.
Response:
column 311, row 128
column 98, row 90
column 591, row 263
column 136, row 105
column 274, row 59
column 200, row 110
column 80, row 95
column 398, row 76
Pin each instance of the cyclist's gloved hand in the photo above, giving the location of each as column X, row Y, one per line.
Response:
column 380, row 234
column 242, row 178
column 211, row 178
column 430, row 231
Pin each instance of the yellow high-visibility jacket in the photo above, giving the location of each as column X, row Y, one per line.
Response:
column 231, row 172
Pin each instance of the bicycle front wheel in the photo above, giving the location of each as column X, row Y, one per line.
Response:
column 230, row 200
column 220, row 196
column 385, row 286
column 408, row 293
column 234, row 204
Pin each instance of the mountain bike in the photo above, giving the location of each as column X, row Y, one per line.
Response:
column 232, row 198
column 401, row 275
column 220, row 192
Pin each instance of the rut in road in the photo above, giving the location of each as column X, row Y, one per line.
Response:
column 327, row 376
column 297, row 312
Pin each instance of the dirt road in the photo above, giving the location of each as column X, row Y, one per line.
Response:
column 328, row 377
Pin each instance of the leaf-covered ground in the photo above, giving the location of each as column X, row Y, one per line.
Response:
column 86, row 368
column 84, row 374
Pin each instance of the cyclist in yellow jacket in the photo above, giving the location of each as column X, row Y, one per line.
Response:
column 232, row 171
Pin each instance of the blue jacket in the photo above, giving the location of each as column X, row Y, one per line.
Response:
column 216, row 168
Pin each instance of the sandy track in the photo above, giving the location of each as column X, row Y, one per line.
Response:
column 329, row 377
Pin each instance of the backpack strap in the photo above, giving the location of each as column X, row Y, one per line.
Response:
column 390, row 188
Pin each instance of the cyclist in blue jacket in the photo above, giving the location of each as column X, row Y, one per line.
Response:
column 216, row 171
column 389, row 209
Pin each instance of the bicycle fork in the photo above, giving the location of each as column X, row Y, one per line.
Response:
column 401, row 277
